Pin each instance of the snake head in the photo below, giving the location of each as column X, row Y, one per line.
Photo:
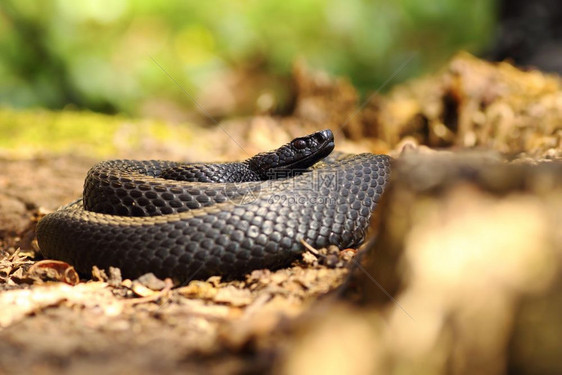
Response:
column 293, row 157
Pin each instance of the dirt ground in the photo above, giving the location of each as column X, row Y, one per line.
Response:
column 460, row 273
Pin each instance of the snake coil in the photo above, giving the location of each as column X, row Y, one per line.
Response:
column 191, row 221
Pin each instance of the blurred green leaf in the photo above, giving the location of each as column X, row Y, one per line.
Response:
column 96, row 54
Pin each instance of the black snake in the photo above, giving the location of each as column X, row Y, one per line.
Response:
column 189, row 221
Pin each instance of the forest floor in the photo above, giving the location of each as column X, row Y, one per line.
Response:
column 460, row 273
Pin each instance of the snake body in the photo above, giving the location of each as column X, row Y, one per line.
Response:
column 218, row 218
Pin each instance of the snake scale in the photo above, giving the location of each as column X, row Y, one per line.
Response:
column 191, row 221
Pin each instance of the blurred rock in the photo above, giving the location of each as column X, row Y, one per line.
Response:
column 466, row 267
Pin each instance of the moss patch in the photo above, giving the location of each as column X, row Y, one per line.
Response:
column 33, row 132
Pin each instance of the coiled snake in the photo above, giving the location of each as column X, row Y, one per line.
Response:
column 189, row 221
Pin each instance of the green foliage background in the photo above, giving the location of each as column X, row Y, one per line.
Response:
column 100, row 54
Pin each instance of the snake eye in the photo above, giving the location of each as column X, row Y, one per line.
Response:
column 299, row 144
